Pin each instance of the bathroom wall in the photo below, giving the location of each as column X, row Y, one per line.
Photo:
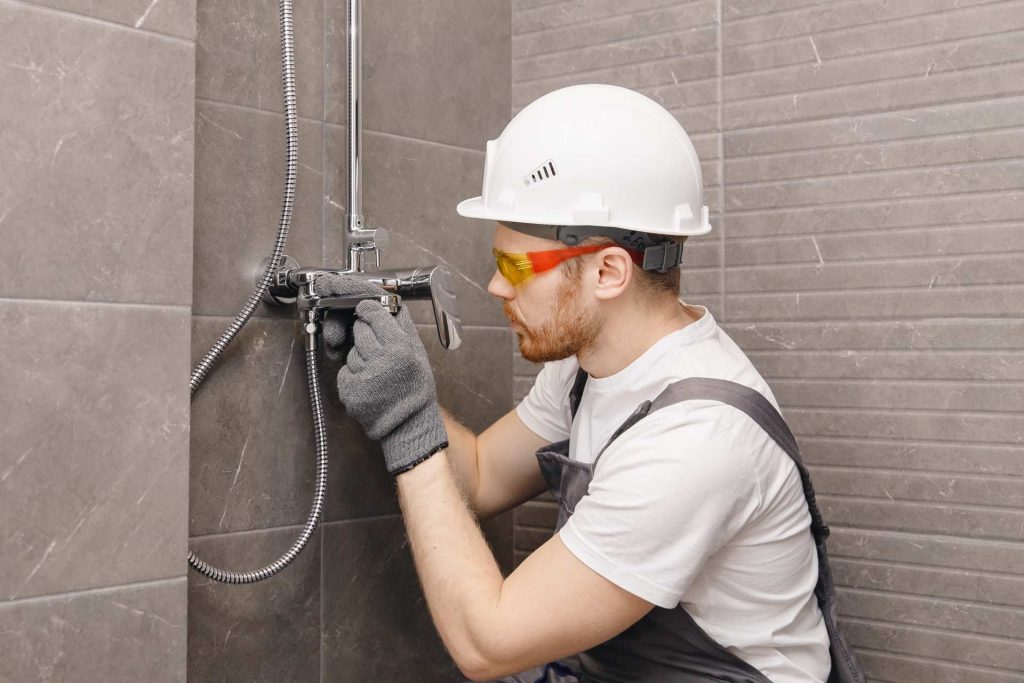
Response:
column 869, row 257
column 350, row 608
column 96, row 127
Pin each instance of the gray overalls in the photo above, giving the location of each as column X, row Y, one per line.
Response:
column 667, row 645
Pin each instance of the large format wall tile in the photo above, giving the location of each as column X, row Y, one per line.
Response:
column 240, row 171
column 373, row 605
column 431, row 70
column 265, row 632
column 174, row 17
column 119, row 635
column 252, row 453
column 96, row 202
column 412, row 188
column 95, row 445
column 238, row 54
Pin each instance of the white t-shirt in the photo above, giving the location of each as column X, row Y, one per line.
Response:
column 695, row 504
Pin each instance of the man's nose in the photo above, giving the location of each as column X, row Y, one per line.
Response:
column 500, row 287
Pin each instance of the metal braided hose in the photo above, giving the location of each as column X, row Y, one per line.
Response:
column 204, row 366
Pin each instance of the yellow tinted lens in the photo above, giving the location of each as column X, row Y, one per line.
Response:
column 513, row 267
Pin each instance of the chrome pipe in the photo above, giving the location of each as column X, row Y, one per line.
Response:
column 354, row 117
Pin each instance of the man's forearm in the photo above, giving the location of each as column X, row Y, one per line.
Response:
column 460, row 577
column 462, row 444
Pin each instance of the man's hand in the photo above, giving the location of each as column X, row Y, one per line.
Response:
column 387, row 384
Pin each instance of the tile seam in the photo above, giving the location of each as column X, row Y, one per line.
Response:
column 939, row 107
column 664, row 4
column 907, row 18
column 26, row 4
column 88, row 591
column 892, row 51
column 98, row 304
column 596, row 46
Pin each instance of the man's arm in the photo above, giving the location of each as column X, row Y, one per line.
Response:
column 551, row 606
column 498, row 469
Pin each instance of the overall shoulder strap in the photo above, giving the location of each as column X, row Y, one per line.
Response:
column 577, row 391
column 751, row 402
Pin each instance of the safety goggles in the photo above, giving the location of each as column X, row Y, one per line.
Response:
column 518, row 267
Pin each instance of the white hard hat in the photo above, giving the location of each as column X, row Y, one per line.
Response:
column 594, row 155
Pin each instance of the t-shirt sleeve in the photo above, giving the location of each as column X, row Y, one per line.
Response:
column 545, row 410
column 666, row 496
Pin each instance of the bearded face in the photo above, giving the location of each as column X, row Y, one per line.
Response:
column 571, row 327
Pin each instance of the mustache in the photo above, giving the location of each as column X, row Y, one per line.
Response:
column 511, row 315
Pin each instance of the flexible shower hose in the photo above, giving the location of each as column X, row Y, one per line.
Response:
column 203, row 367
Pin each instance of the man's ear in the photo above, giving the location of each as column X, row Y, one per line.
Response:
column 614, row 269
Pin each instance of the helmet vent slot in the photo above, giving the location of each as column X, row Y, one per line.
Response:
column 543, row 173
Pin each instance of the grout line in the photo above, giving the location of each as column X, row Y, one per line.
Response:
column 865, row 203
column 910, row 230
column 73, row 302
column 939, row 631
column 561, row 76
column 909, row 18
column 435, row 143
column 875, row 172
column 250, row 108
column 888, row 53
column 935, row 108
column 663, row 5
column 721, row 172
column 109, row 23
column 956, row 135
column 595, row 46
column 819, row 116
column 89, row 591
column 931, row 504
column 907, row 289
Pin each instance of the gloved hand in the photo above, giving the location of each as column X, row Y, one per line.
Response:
column 387, row 384
column 337, row 323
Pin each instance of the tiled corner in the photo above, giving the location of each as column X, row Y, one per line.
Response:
column 373, row 604
column 96, row 203
column 95, row 456
column 264, row 632
column 431, row 70
column 240, row 164
column 173, row 17
column 130, row 633
column 252, row 448
column 238, row 54
column 411, row 189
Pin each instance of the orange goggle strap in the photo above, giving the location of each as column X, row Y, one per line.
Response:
column 538, row 261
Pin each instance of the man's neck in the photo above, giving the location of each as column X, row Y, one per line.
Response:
column 628, row 337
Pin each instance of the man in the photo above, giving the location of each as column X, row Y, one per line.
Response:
column 683, row 551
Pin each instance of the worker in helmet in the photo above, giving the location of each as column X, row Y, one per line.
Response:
column 688, row 542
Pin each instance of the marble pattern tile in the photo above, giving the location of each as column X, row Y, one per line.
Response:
column 96, row 202
column 252, row 449
column 264, row 632
column 94, row 462
column 238, row 54
column 130, row 633
column 173, row 17
column 376, row 626
column 431, row 70
column 240, row 167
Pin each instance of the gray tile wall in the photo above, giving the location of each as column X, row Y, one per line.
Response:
column 869, row 257
column 352, row 601
column 96, row 225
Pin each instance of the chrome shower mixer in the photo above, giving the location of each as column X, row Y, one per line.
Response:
column 292, row 284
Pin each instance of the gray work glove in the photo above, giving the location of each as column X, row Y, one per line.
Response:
column 387, row 384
